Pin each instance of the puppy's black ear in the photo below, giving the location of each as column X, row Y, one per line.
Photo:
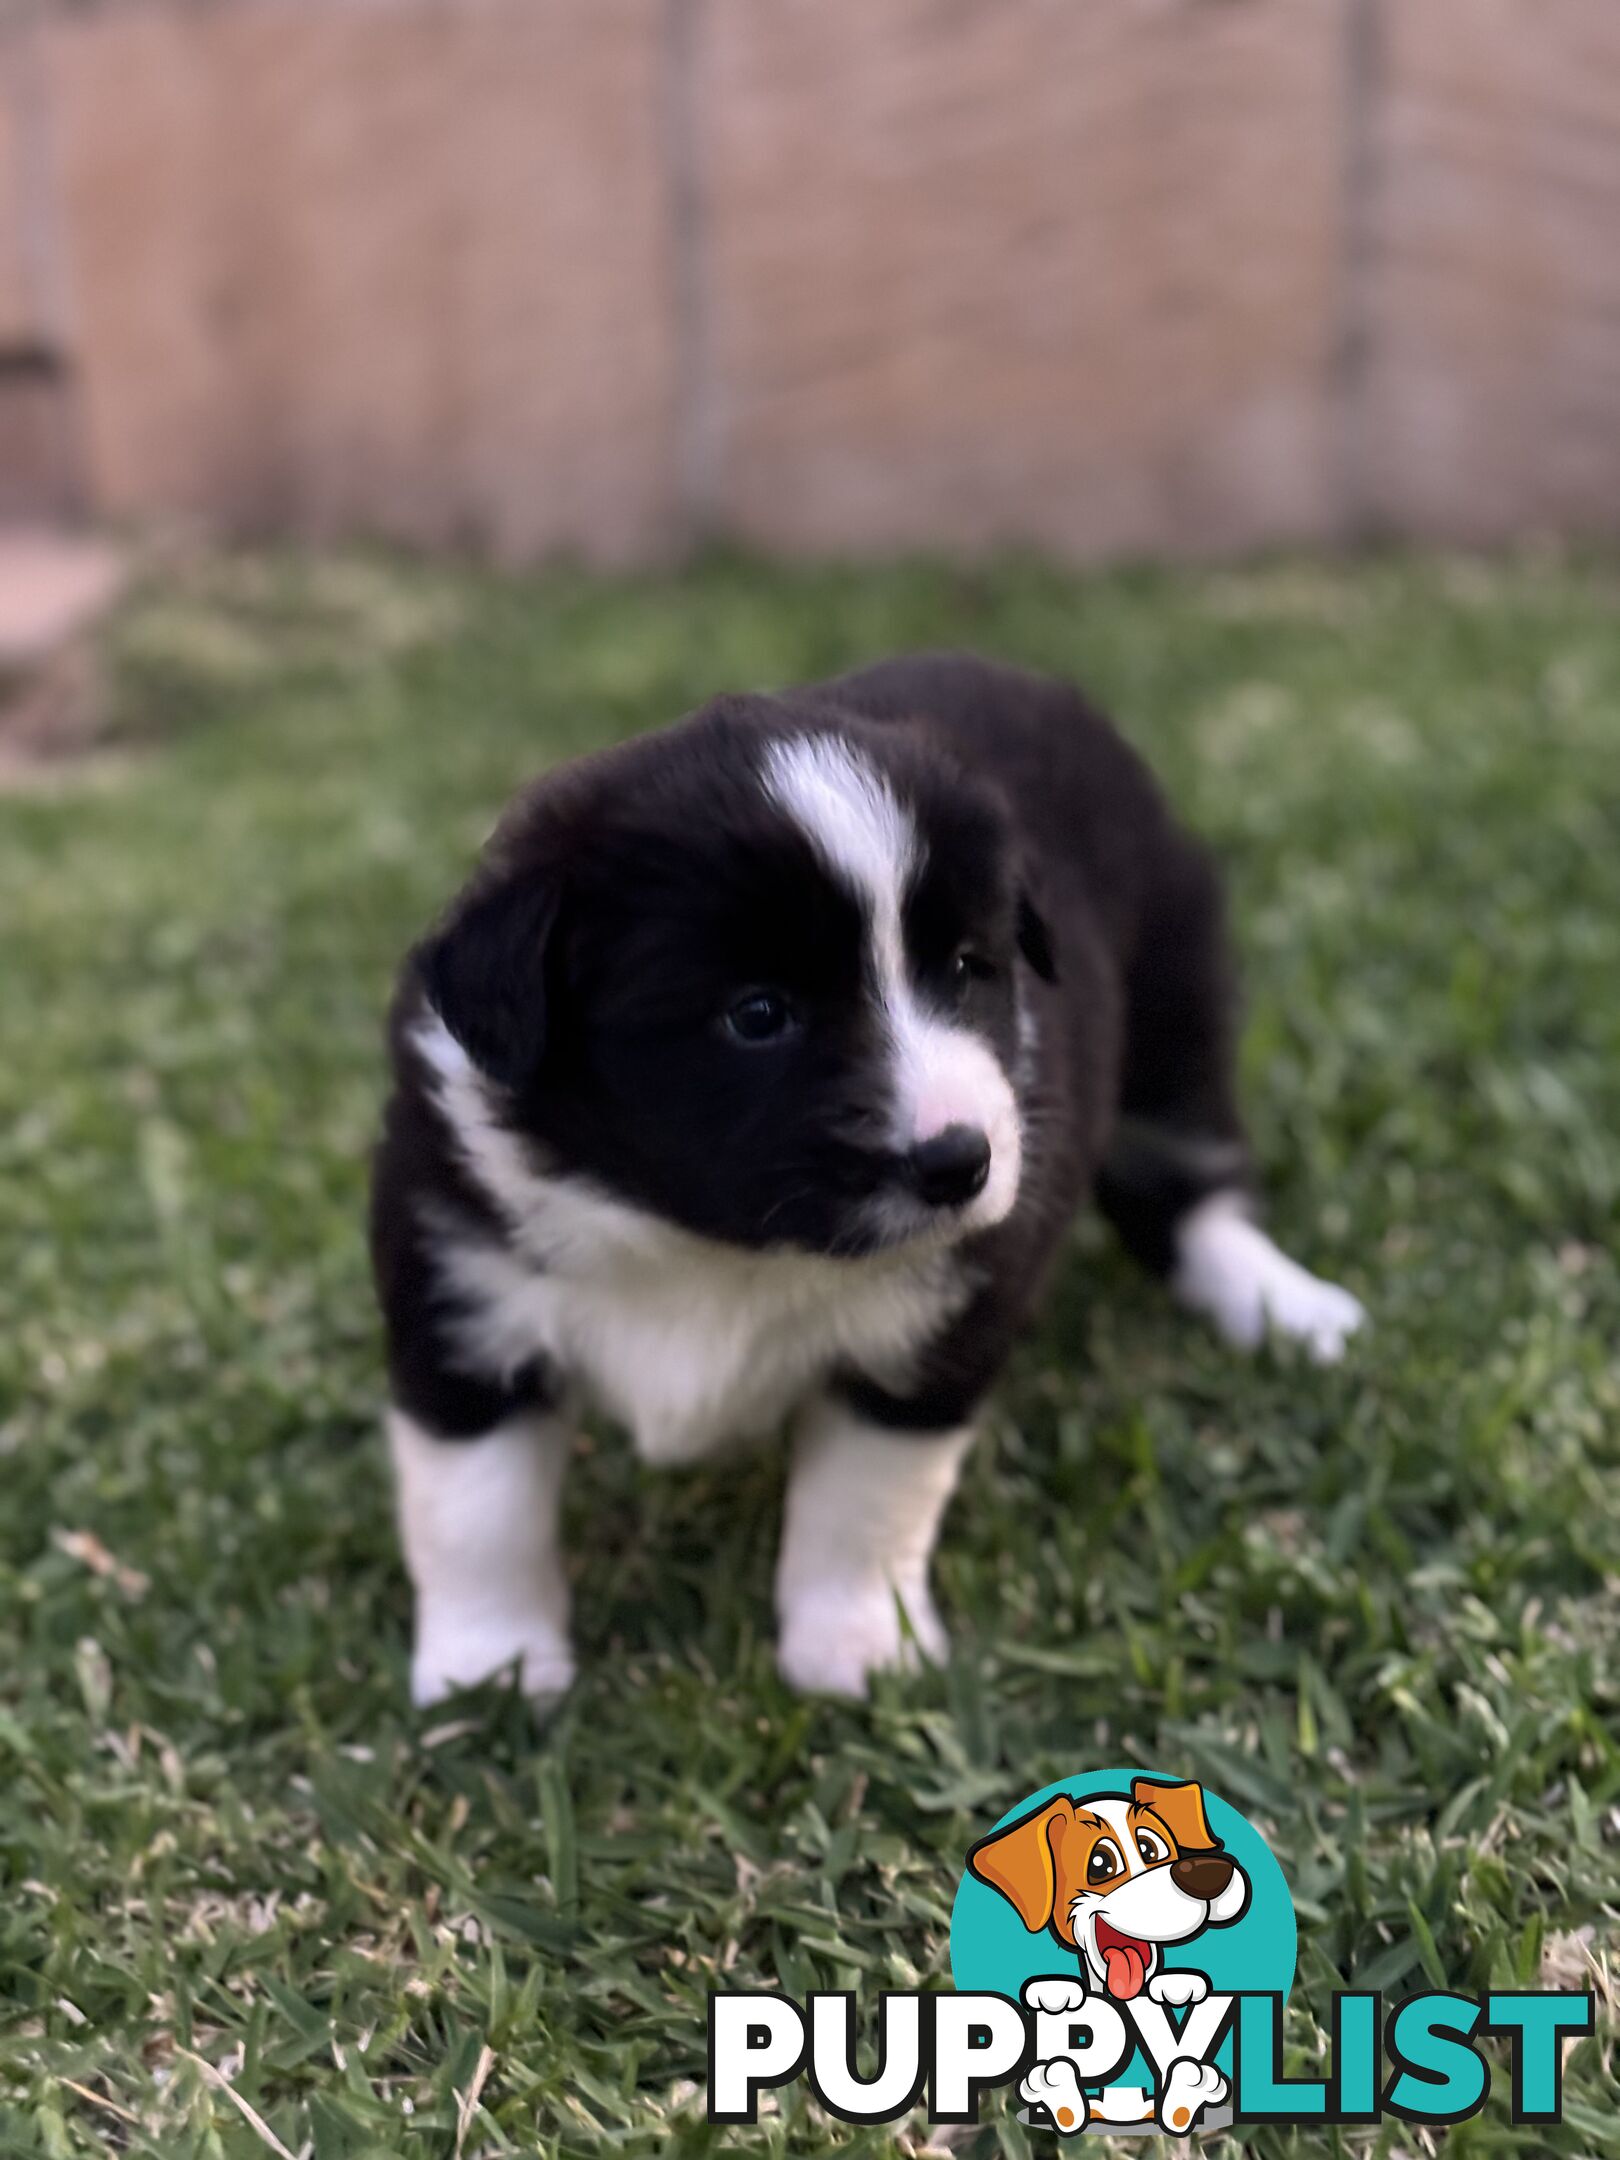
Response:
column 485, row 976
column 1035, row 939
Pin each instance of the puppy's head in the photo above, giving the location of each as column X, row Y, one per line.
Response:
column 1117, row 1876
column 759, row 975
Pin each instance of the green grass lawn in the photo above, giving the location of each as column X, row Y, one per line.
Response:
column 1377, row 1607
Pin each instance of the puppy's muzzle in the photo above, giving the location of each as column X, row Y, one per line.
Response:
column 950, row 1169
column 1201, row 1875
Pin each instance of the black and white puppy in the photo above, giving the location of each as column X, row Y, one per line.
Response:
column 756, row 1075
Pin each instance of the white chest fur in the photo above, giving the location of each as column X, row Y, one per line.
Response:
column 685, row 1342
column 688, row 1348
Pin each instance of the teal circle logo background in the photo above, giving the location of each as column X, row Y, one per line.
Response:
column 992, row 1950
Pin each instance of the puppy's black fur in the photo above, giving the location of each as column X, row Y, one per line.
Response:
column 627, row 897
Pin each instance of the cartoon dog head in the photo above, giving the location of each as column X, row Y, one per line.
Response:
column 1116, row 1876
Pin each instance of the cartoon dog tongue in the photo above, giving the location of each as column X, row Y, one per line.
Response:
column 1127, row 1964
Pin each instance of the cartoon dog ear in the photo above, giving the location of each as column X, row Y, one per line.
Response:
column 1022, row 1861
column 485, row 975
column 1035, row 938
column 1180, row 1808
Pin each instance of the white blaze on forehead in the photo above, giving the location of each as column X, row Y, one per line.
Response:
column 849, row 814
column 943, row 1074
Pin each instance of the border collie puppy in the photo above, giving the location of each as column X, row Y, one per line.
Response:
column 755, row 1077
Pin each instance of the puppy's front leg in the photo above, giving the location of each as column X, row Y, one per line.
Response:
column 478, row 1520
column 863, row 1509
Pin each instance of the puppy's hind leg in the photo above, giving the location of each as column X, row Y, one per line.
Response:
column 1227, row 1268
column 1176, row 1184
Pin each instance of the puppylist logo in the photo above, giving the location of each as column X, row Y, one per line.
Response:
column 1122, row 1945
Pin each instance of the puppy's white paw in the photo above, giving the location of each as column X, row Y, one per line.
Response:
column 1054, row 2086
column 458, row 1653
column 1189, row 2087
column 1229, row 1270
column 1056, row 1995
column 835, row 1637
column 1177, row 1988
column 1318, row 1315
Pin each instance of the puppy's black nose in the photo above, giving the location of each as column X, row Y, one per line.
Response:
column 1201, row 1875
column 950, row 1169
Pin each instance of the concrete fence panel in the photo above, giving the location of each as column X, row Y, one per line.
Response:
column 395, row 267
column 608, row 275
column 1499, row 272
column 1033, row 271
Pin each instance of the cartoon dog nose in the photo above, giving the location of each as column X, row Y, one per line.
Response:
column 1201, row 1875
column 950, row 1169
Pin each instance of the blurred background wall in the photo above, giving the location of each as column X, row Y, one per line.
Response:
column 608, row 275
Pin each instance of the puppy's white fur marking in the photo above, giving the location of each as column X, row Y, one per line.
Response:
column 943, row 1074
column 847, row 811
column 863, row 1509
column 686, row 1341
column 478, row 1521
column 1229, row 1269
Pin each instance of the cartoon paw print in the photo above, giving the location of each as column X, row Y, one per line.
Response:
column 1056, row 1994
column 1054, row 2086
column 1189, row 2088
column 1177, row 1988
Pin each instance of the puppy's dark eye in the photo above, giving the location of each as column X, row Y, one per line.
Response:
column 1152, row 1847
column 969, row 967
column 1104, row 1863
column 759, row 1016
